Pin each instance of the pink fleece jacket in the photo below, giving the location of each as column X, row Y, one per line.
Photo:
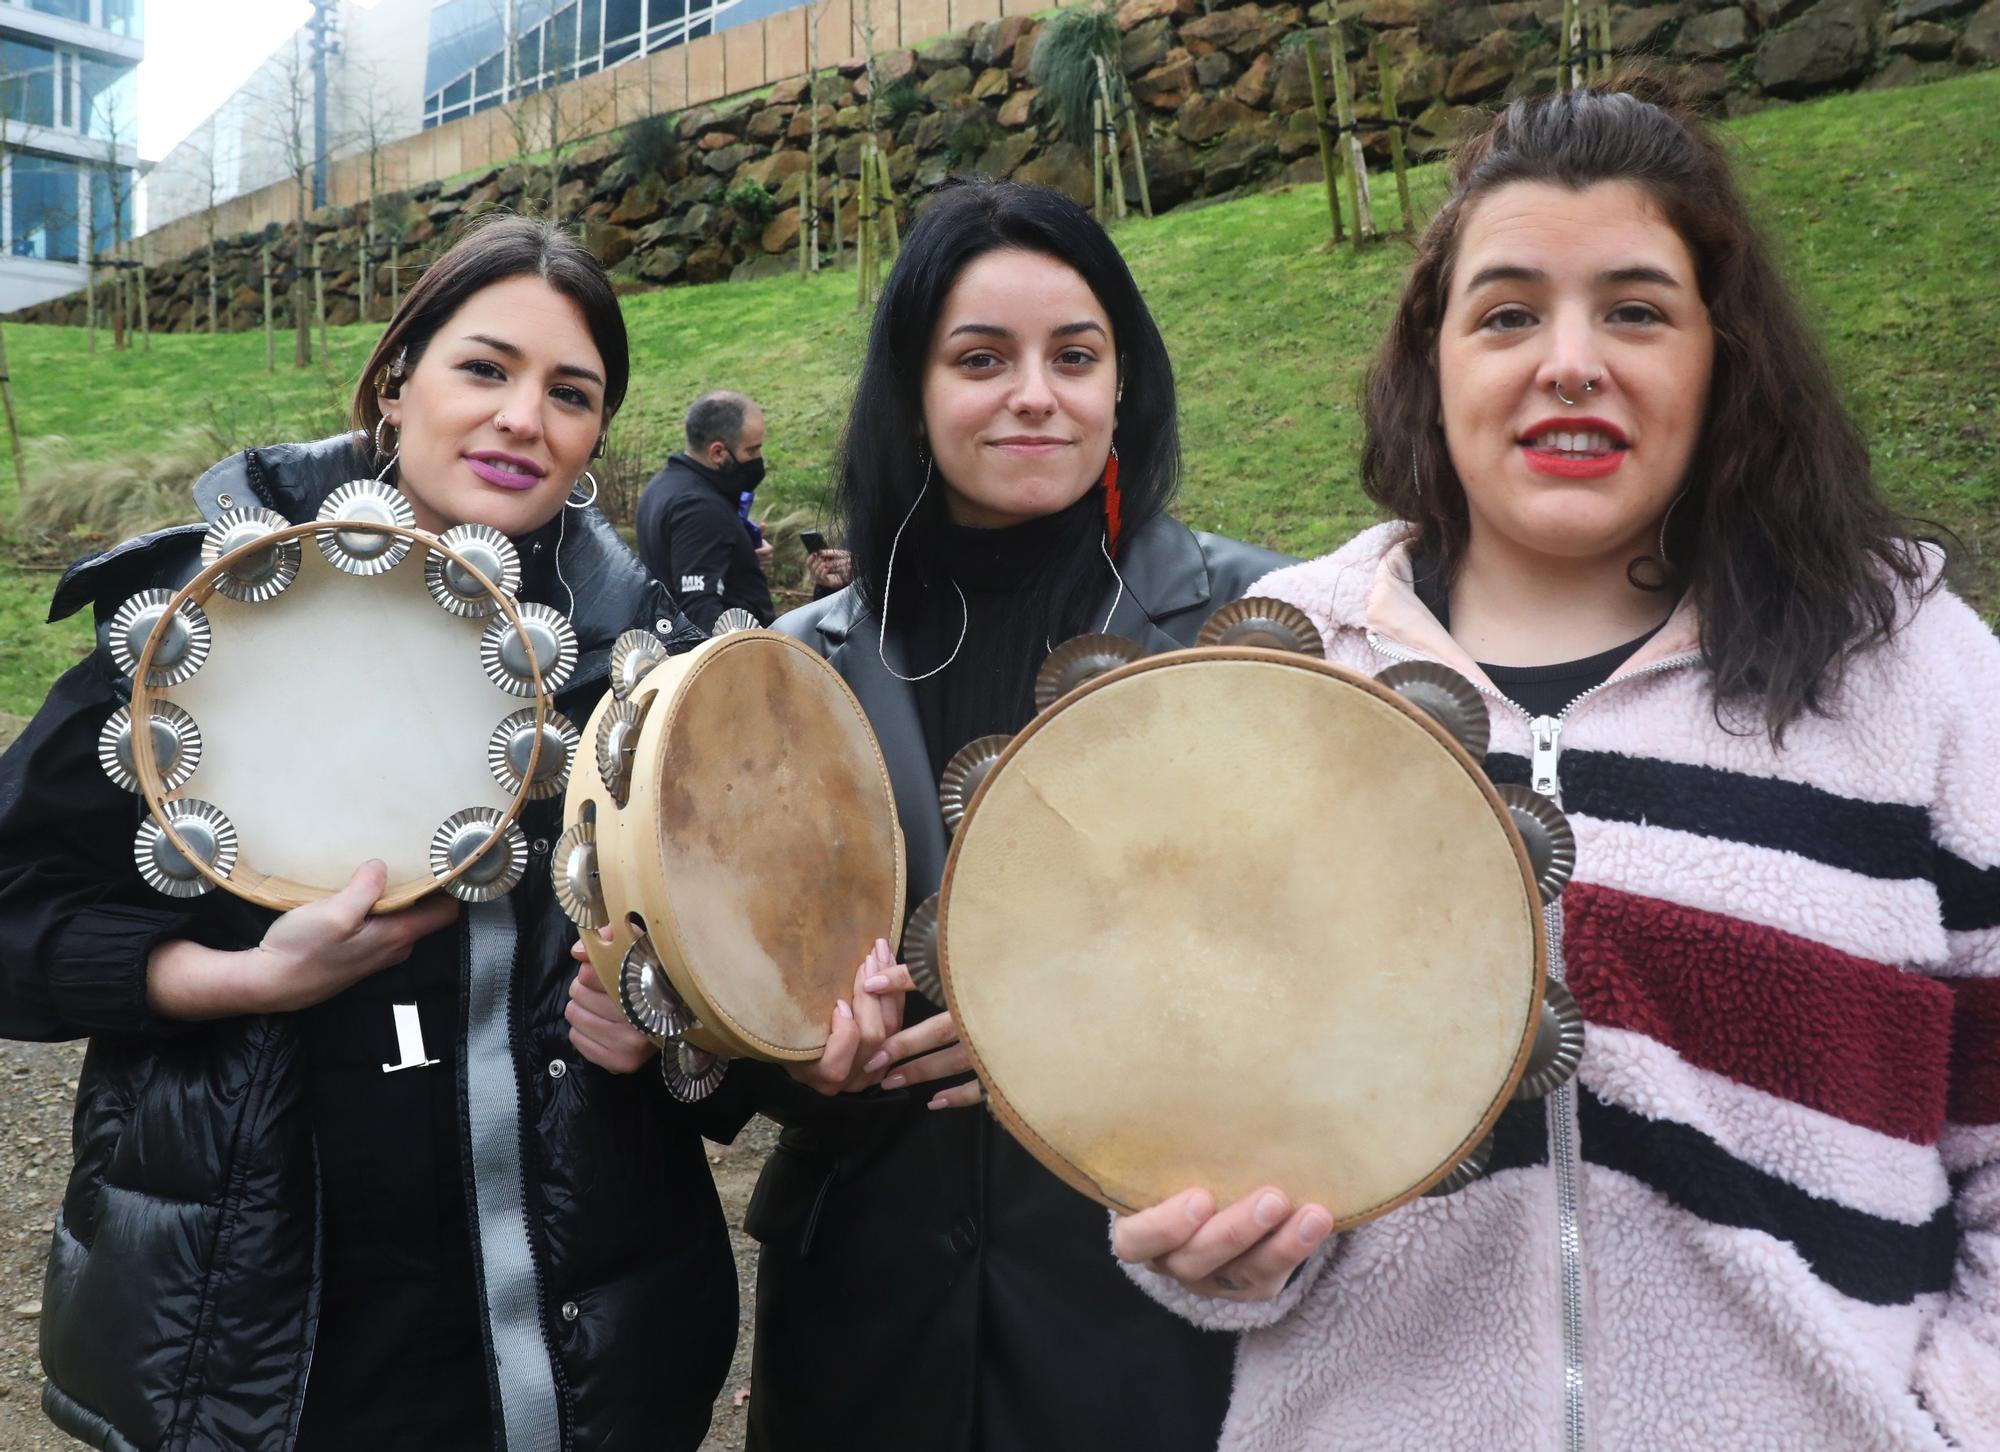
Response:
column 1785, row 1138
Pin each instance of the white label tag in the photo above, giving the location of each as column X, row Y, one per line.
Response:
column 693, row 584
column 409, row 1040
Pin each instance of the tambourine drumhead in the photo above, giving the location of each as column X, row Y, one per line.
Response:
column 758, row 846
column 1231, row 918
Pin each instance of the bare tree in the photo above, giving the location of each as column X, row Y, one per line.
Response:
column 543, row 118
column 283, row 118
column 6, row 381
column 208, row 186
column 372, row 118
column 110, row 120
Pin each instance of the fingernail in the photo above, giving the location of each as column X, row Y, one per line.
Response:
column 877, row 983
column 882, row 948
column 875, row 1063
column 895, row 1081
column 1197, row 1209
column 1314, row 1228
column 938, row 1101
column 1270, row 1210
column 842, row 1009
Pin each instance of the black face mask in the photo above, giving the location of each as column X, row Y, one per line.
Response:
column 742, row 475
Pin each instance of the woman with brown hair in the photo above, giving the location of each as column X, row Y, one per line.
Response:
column 1632, row 511
column 270, row 1238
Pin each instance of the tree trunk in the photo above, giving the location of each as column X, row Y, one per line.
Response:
column 270, row 336
column 1317, row 80
column 13, row 428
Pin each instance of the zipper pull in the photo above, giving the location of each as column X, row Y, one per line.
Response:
column 1546, row 732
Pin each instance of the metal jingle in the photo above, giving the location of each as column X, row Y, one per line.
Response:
column 1546, row 833
column 359, row 551
column 617, row 742
column 1558, row 1048
column 1446, row 697
column 1265, row 623
column 1081, row 660
column 508, row 747
column 920, row 953
column 573, row 871
column 210, row 838
column 486, row 550
column 176, row 747
column 545, row 639
column 649, row 1000
column 968, row 767
column 259, row 576
column 733, row 619
column 632, row 655
column 690, row 1074
column 184, row 639
column 1464, row 1172
column 464, row 837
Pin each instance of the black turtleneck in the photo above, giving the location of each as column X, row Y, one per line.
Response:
column 989, row 686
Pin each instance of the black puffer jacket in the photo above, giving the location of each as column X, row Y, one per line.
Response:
column 183, row 1284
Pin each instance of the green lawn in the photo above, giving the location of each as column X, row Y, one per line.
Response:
column 1885, row 207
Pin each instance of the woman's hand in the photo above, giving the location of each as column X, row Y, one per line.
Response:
column 853, row 1058
column 598, row 1026
column 1244, row 1253
column 306, row 957
column 933, row 1051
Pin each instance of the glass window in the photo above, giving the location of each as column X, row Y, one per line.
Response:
column 486, row 80
column 458, row 92
column 528, row 57
column 45, row 197
column 559, row 50
column 616, row 51
column 458, row 113
column 125, row 17
column 110, row 206
column 67, row 9
column 110, row 96
column 591, row 37
column 28, row 75
column 621, row 22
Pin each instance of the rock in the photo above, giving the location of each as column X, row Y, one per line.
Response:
column 643, row 203
column 802, row 123
column 1830, row 45
column 726, row 159
column 771, row 172
column 1214, row 70
column 1706, row 82
column 1386, row 14
column 1923, row 39
column 28, row 1310
column 1003, row 156
column 1063, row 166
column 1980, row 45
column 902, row 166
column 701, row 187
column 781, row 233
column 992, row 85
column 459, row 191
column 1230, row 30
column 1770, row 14
column 708, row 262
column 696, row 221
column 1204, row 118
column 1484, row 70
column 947, row 85
column 1134, row 13
column 1240, row 158
column 892, row 66
column 662, row 264
column 1718, row 35
column 792, row 90
column 993, row 42
column 1024, row 56
column 1640, row 31
column 1145, row 46
column 1442, row 126
column 1456, row 27
column 847, row 156
column 1167, row 86
column 1911, row 10
column 715, row 141
column 1293, row 91
column 1299, row 136
column 770, row 124
column 608, row 244
column 1905, row 71
column 1254, row 88
column 1016, row 109
column 947, row 54
column 849, row 119
column 1306, row 171
column 932, row 171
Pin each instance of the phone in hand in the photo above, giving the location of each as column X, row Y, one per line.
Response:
column 813, row 540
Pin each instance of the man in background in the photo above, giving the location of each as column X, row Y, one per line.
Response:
column 694, row 528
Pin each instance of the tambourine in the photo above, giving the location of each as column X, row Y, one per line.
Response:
column 731, row 822
column 1233, row 916
column 323, row 693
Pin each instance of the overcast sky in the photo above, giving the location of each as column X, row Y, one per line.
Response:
column 197, row 52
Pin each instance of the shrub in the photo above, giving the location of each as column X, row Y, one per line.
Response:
column 1064, row 64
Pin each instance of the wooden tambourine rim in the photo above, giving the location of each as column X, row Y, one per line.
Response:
column 1052, row 1159
column 649, row 894
column 279, row 893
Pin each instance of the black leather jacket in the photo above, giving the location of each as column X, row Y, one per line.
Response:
column 184, row 1278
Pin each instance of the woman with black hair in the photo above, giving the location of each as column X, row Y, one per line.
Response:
column 273, row 1238
column 1004, row 478
column 1631, row 509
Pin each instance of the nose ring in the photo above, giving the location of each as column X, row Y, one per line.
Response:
column 1589, row 386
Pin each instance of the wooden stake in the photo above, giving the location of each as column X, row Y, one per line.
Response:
column 838, row 185
column 1604, row 42
column 1138, row 159
column 1343, row 96
column 808, row 213
column 1108, row 124
column 1326, row 156
column 864, row 223
column 213, row 329
column 1563, row 44
column 1097, row 159
column 395, row 278
column 889, row 203
column 13, row 428
column 319, row 294
column 145, row 312
column 1386, row 74
column 270, row 338
column 90, row 301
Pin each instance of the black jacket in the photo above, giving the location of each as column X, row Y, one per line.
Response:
column 924, row 1283
column 695, row 543
column 183, row 1284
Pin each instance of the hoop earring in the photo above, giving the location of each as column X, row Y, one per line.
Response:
column 573, row 502
column 1650, row 574
column 889, row 578
column 1416, row 481
column 381, row 424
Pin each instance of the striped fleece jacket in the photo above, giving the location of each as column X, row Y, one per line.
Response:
column 1766, row 1215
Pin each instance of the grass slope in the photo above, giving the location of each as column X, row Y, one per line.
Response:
column 1884, row 207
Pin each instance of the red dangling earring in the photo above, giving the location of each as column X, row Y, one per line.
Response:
column 1113, row 504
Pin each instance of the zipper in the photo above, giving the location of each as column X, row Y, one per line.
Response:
column 1544, row 772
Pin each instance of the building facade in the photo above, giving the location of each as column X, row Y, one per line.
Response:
column 68, row 139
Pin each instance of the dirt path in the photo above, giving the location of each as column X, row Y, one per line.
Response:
column 37, row 1088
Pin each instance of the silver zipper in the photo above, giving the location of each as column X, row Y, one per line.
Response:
column 1544, row 771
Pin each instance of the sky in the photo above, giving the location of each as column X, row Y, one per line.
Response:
column 197, row 52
